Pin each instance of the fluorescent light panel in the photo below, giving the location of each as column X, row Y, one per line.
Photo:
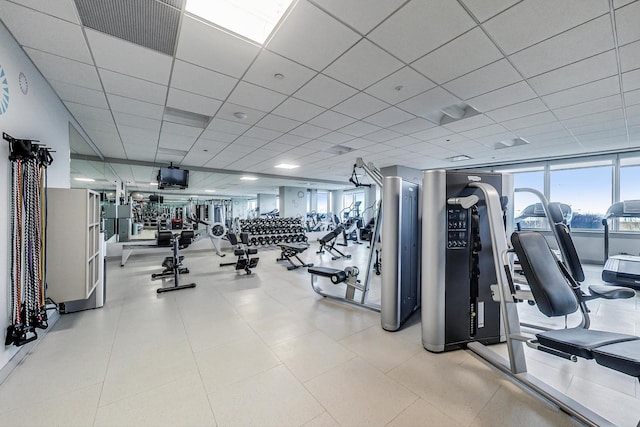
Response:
column 253, row 19
column 85, row 179
column 249, row 178
column 287, row 166
column 459, row 158
column 209, row 191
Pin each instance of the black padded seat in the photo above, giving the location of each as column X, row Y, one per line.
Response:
column 238, row 252
column 295, row 247
column 612, row 292
column 623, row 357
column 336, row 276
column 581, row 342
column 252, row 251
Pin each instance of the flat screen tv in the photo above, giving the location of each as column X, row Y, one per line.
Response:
column 173, row 178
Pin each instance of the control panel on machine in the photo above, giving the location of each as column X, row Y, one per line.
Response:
column 457, row 227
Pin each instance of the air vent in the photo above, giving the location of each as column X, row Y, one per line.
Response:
column 451, row 114
column 458, row 158
column 149, row 23
column 515, row 142
column 172, row 152
column 183, row 117
column 339, row 149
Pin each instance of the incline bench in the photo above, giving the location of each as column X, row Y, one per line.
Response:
column 291, row 250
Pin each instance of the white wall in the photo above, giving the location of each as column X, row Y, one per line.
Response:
column 267, row 203
column 293, row 202
column 38, row 114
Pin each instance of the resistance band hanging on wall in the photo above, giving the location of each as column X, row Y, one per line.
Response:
column 29, row 163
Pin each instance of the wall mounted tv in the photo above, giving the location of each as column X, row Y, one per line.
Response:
column 173, row 177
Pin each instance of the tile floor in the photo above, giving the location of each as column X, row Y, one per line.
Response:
column 265, row 350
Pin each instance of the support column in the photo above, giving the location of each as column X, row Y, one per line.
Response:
column 266, row 203
column 336, row 202
column 293, row 202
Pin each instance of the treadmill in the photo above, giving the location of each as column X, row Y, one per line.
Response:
column 621, row 269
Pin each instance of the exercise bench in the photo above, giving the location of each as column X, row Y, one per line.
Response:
column 244, row 261
column 291, row 250
column 328, row 243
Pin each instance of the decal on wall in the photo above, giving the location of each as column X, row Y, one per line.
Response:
column 4, row 91
column 24, row 83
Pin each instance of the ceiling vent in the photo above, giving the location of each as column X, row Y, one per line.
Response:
column 451, row 114
column 339, row 149
column 171, row 152
column 149, row 23
column 183, row 117
column 458, row 158
column 515, row 142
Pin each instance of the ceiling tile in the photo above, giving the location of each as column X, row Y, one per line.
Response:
column 45, row 33
column 531, row 22
column 232, row 127
column 401, row 141
column 359, row 129
column 331, row 120
column 531, row 120
column 205, row 45
column 191, row 77
column 486, row 79
column 596, row 119
column 433, row 133
column 63, row 9
column 362, row 15
column 293, row 140
column 80, row 110
column 597, row 105
column 176, row 142
column 217, row 136
column 429, row 101
column 325, row 91
column 256, row 97
column 508, row 95
column 404, row 32
column 228, row 111
column 469, row 123
column 79, row 94
column 309, row 131
column 115, row 54
column 267, row 65
column 296, row 109
column 587, row 92
column 336, row 137
column 100, row 125
column 262, row 133
column 123, row 119
column 363, row 65
column 411, row 126
column 389, row 117
column 485, row 9
column 135, row 107
column 468, row 52
column 627, row 19
column 586, row 40
column 277, row 123
column 521, row 109
column 632, row 97
column 360, row 106
column 139, row 136
column 312, row 37
column 400, row 86
column 581, row 72
column 543, row 129
column 493, row 129
column 383, row 135
column 65, row 70
column 631, row 80
column 630, row 56
column 131, row 87
column 188, row 101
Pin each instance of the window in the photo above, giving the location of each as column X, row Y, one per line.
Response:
column 588, row 190
column 524, row 203
column 629, row 190
column 349, row 202
column 323, row 202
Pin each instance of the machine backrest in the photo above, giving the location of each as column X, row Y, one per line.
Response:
column 186, row 237
column 233, row 239
column 549, row 286
column 565, row 242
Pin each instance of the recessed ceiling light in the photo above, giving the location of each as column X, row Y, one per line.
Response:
column 458, row 158
column 286, row 166
column 249, row 178
column 209, row 191
column 253, row 19
column 278, row 76
column 85, row 179
column 153, row 183
column 194, row 195
column 240, row 115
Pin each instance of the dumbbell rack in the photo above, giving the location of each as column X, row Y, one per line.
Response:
column 273, row 231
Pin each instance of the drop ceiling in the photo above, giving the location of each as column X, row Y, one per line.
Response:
column 337, row 80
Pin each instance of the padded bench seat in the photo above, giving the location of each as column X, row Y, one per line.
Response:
column 579, row 341
column 623, row 357
column 294, row 247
